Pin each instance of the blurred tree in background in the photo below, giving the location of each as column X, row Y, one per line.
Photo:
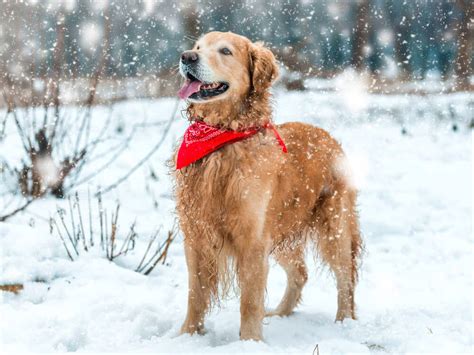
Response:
column 396, row 39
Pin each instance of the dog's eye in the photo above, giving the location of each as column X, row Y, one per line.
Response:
column 197, row 47
column 225, row 51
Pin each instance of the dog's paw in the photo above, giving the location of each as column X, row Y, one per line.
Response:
column 193, row 329
column 277, row 312
column 344, row 314
column 255, row 336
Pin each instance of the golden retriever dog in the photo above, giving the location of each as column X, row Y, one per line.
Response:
column 250, row 200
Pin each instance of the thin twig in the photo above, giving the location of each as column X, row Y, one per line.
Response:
column 91, row 232
column 163, row 255
column 129, row 239
column 81, row 224
column 114, row 157
column 15, row 211
column 152, row 239
column 62, row 239
column 106, row 235
column 72, row 220
column 101, row 218
column 148, row 155
column 114, row 231
column 73, row 242
column 91, row 148
column 26, row 142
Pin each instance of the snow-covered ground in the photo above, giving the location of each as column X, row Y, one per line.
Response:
column 415, row 290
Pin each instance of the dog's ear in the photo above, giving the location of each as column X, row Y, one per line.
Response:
column 263, row 67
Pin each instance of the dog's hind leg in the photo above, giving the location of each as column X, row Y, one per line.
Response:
column 292, row 261
column 339, row 244
column 202, row 284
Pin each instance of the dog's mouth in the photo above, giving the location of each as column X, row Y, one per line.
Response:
column 195, row 89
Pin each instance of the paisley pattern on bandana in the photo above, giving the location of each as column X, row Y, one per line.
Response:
column 200, row 132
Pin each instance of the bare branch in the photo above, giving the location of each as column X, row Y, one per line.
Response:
column 91, row 233
column 148, row 155
column 152, row 240
column 71, row 238
column 163, row 255
column 15, row 211
column 52, row 220
column 81, row 224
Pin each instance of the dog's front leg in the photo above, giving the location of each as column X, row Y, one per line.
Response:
column 202, row 282
column 252, row 272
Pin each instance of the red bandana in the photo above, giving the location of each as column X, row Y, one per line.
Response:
column 200, row 139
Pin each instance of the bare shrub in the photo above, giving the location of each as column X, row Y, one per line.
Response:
column 56, row 141
column 80, row 232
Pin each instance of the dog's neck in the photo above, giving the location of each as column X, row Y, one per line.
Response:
column 253, row 111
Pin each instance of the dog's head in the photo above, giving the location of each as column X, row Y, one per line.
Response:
column 226, row 66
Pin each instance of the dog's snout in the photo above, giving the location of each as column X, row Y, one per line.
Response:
column 189, row 57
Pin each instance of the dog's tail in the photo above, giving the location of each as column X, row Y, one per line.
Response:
column 356, row 238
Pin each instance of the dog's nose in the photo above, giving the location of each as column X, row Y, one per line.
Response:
column 189, row 57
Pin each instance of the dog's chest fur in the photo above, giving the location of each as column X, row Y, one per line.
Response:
column 234, row 181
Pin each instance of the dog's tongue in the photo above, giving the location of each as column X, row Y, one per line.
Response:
column 189, row 87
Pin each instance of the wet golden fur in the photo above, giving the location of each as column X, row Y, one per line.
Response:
column 249, row 200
